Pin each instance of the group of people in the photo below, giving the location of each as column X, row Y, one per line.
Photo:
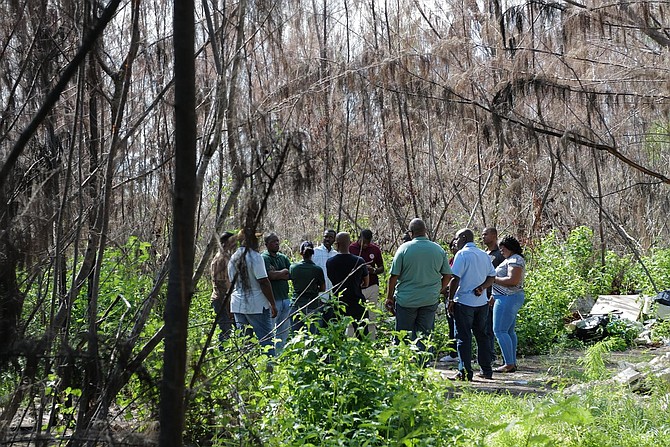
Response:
column 251, row 289
column 483, row 289
column 485, row 295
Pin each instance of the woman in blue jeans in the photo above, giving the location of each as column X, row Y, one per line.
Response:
column 509, row 297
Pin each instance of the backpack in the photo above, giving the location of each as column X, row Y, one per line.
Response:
column 663, row 298
column 591, row 328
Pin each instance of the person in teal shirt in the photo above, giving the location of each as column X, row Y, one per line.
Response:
column 419, row 274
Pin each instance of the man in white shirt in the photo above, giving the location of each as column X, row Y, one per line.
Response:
column 473, row 273
column 322, row 254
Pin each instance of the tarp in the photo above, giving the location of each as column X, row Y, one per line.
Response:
column 624, row 306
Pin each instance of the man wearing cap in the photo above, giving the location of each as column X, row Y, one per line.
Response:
column 277, row 265
column 372, row 255
column 308, row 281
column 252, row 301
column 221, row 284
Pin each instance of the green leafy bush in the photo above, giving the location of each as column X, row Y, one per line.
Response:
column 332, row 390
column 559, row 272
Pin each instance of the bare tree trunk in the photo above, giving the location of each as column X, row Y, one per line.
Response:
column 180, row 284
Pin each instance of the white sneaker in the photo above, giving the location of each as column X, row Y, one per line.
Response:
column 448, row 359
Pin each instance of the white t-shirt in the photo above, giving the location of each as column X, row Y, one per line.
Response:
column 252, row 300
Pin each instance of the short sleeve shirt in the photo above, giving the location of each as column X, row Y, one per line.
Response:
column 307, row 278
column 279, row 261
column 251, row 300
column 503, row 271
column 420, row 265
column 372, row 255
column 472, row 266
column 346, row 272
column 320, row 257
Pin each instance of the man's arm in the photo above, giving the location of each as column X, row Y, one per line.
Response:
column 485, row 285
column 453, row 286
column 266, row 287
column 390, row 292
column 379, row 261
column 275, row 275
column 446, row 278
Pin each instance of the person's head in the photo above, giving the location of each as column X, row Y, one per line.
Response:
column 343, row 241
column 463, row 236
column 417, row 227
column 307, row 250
column 328, row 238
column 407, row 236
column 365, row 238
column 453, row 246
column 228, row 240
column 249, row 239
column 509, row 246
column 271, row 242
column 490, row 237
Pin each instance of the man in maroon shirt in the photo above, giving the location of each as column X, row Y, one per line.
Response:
column 372, row 256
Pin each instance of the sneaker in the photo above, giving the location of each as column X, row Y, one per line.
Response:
column 481, row 375
column 449, row 359
column 460, row 377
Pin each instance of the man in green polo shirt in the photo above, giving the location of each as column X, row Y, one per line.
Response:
column 277, row 266
column 419, row 274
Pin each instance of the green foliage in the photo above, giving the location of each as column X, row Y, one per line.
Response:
column 552, row 283
column 623, row 419
column 538, row 422
column 661, row 331
column 622, row 333
column 594, row 359
column 658, row 265
column 333, row 390
column 558, row 273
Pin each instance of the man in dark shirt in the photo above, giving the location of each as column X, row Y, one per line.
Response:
column 372, row 255
column 349, row 276
column 490, row 241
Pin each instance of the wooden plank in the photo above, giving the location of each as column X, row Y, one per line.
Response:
column 625, row 306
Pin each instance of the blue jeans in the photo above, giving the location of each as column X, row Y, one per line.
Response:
column 261, row 325
column 468, row 321
column 490, row 334
column 415, row 320
column 282, row 323
column 505, row 311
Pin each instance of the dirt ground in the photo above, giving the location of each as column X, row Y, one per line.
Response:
column 540, row 375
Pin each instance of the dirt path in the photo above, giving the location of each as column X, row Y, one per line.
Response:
column 540, row 375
